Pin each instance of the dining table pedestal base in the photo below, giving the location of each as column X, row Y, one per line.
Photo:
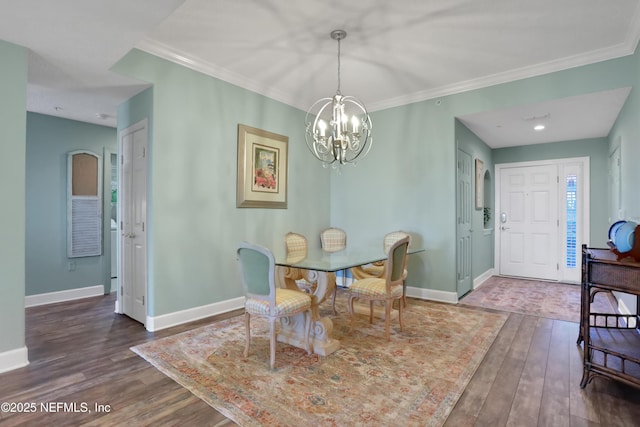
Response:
column 321, row 287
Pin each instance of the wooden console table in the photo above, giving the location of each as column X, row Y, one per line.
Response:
column 611, row 341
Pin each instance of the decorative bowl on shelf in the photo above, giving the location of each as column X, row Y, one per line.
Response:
column 625, row 237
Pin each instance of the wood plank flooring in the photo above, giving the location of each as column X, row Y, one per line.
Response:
column 79, row 353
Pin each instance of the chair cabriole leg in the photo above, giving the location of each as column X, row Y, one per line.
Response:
column 272, row 339
column 247, row 339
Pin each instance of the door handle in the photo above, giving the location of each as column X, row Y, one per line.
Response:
column 503, row 228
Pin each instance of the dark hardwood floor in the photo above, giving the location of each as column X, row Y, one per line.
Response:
column 79, row 353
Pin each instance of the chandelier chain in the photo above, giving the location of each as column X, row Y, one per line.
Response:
column 338, row 91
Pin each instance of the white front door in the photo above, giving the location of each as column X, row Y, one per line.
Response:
column 528, row 222
column 133, row 221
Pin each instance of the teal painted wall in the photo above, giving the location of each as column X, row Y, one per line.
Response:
column 596, row 150
column 408, row 179
column 626, row 135
column 13, row 104
column 196, row 225
column 406, row 182
column 49, row 139
column 482, row 240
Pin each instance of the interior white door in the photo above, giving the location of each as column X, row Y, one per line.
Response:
column 528, row 218
column 133, row 228
column 463, row 211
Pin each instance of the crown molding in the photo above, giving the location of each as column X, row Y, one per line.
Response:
column 508, row 76
column 197, row 64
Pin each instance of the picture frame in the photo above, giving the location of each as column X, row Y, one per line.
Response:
column 479, row 184
column 263, row 169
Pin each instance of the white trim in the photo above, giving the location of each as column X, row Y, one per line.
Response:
column 625, row 48
column 432, row 295
column 478, row 281
column 156, row 323
column 585, row 202
column 14, row 359
column 61, row 296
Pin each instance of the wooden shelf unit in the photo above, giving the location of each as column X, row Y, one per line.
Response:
column 611, row 341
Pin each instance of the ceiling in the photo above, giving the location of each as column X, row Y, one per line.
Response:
column 395, row 52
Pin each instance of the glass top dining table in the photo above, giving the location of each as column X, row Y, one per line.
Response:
column 318, row 267
column 320, row 260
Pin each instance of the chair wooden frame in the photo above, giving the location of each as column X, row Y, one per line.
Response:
column 387, row 289
column 263, row 298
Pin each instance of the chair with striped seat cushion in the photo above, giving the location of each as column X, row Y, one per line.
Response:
column 387, row 289
column 377, row 269
column 264, row 298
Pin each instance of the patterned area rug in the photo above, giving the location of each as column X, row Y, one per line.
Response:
column 414, row 380
column 543, row 299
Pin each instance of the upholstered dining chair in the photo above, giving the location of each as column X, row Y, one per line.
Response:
column 263, row 298
column 296, row 244
column 386, row 289
column 297, row 247
column 334, row 239
column 377, row 269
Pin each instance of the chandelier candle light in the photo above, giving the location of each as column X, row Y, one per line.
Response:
column 338, row 129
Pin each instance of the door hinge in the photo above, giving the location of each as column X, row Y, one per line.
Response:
column 144, row 152
column 143, row 226
column 142, row 299
column 121, row 290
column 558, row 267
column 122, row 160
column 121, row 226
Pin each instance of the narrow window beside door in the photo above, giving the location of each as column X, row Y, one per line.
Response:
column 572, row 211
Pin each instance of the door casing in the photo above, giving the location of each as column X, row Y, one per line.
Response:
column 564, row 274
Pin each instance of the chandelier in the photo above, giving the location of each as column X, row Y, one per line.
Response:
column 338, row 129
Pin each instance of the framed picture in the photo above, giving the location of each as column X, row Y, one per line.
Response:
column 479, row 184
column 262, row 169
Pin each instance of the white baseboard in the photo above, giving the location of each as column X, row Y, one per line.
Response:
column 156, row 323
column 432, row 295
column 61, row 296
column 14, row 359
column 478, row 281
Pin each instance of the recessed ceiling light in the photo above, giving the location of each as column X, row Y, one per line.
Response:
column 538, row 127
